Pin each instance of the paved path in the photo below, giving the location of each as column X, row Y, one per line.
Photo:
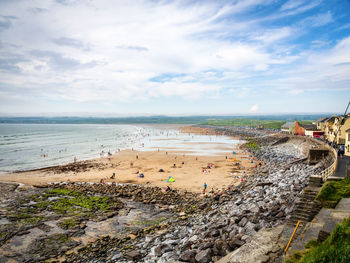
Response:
column 340, row 172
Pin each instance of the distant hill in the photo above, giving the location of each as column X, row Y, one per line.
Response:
column 214, row 120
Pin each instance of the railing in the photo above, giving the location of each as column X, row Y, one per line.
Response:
column 329, row 171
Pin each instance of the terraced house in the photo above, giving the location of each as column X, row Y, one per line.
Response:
column 336, row 127
column 347, row 143
column 288, row 128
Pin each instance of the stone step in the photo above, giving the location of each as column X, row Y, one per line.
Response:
column 301, row 217
column 293, row 222
column 305, row 212
column 306, row 202
column 307, row 198
column 310, row 194
column 306, row 207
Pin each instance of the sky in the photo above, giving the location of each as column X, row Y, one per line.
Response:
column 174, row 57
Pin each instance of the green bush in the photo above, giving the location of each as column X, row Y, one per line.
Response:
column 333, row 191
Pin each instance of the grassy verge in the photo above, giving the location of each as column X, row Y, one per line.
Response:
column 333, row 191
column 267, row 124
column 335, row 249
column 252, row 145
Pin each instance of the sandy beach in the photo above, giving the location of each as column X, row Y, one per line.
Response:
column 189, row 171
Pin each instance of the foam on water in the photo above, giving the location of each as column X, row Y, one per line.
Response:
column 31, row 146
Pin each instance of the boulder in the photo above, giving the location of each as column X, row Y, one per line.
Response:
column 133, row 255
column 243, row 222
column 188, row 256
column 204, row 256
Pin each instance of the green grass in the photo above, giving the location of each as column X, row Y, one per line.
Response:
column 251, row 144
column 266, row 124
column 335, row 249
column 333, row 191
column 312, row 243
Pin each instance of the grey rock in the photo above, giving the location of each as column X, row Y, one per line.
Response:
column 188, row 256
column 160, row 249
column 243, row 222
column 204, row 256
column 193, row 239
column 133, row 255
column 171, row 242
column 117, row 256
column 215, row 233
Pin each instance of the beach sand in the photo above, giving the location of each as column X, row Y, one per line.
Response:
column 188, row 176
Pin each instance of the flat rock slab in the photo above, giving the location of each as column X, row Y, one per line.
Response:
column 257, row 250
column 343, row 205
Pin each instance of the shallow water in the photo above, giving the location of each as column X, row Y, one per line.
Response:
column 31, row 146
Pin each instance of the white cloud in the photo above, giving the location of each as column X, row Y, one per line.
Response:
column 291, row 4
column 254, row 108
column 318, row 20
column 270, row 36
column 110, row 51
column 97, row 51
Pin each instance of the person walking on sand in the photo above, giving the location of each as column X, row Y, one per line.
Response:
column 205, row 188
column 75, row 159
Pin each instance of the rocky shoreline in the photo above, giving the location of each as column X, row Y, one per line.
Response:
column 154, row 226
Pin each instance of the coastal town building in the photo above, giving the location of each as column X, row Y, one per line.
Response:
column 336, row 127
column 320, row 123
column 347, row 143
column 299, row 129
column 288, row 128
column 342, row 124
column 329, row 128
column 333, row 129
column 314, row 133
column 307, row 130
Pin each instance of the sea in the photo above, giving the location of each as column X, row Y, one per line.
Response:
column 32, row 146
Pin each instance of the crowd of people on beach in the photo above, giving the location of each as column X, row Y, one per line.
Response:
column 236, row 161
